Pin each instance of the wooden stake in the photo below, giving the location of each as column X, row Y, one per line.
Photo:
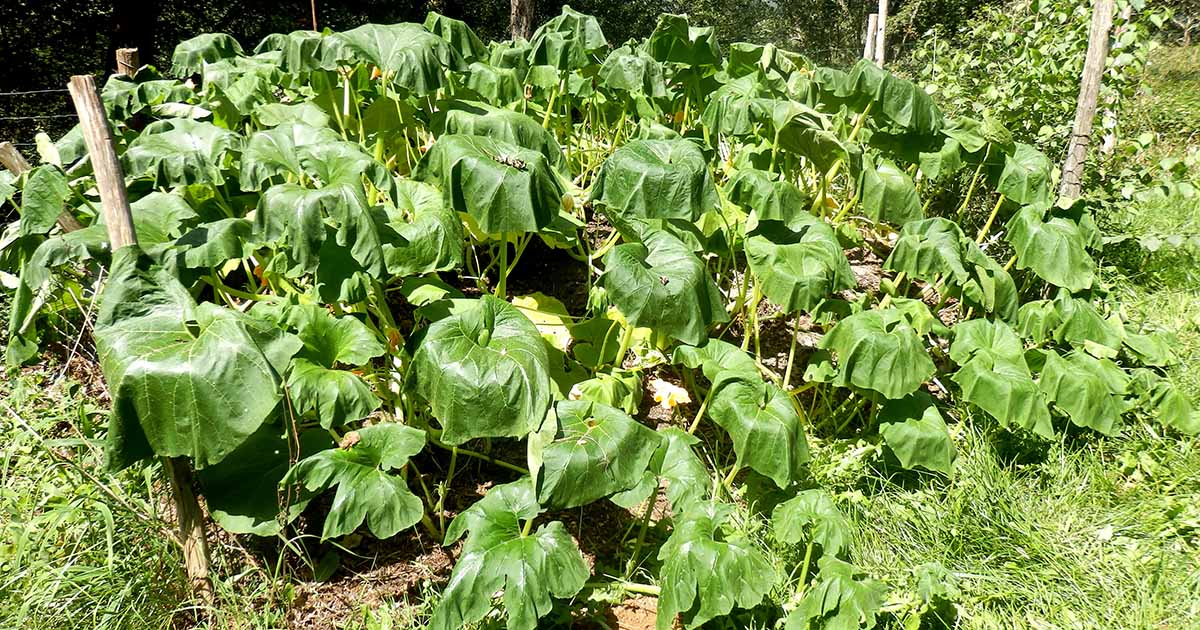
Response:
column 127, row 61
column 119, row 220
column 869, row 40
column 1071, row 183
column 881, row 33
column 109, row 179
column 521, row 18
column 11, row 159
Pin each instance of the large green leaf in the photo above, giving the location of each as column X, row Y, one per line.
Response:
column 887, row 193
column 893, row 100
column 660, row 284
column 656, row 179
column 498, row 557
column 480, row 119
column 995, row 376
column 503, row 187
column 409, row 56
column 338, row 396
column 242, row 492
column 274, row 153
column 456, row 33
column 768, row 196
column 708, row 568
column 1025, row 177
column 915, row 431
column 43, row 198
column 366, row 491
column 1090, row 390
column 484, row 371
column 632, row 71
column 297, row 216
column 768, row 435
column 675, row 41
column 596, row 451
column 568, row 41
column 878, row 350
column 180, row 152
column 1054, row 248
column 430, row 235
column 186, row 380
column 191, row 54
column 303, row 51
column 496, row 85
column 812, row 516
column 717, row 360
column 842, row 599
column 125, row 96
column 797, row 263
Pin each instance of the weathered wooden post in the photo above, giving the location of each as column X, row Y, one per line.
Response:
column 11, row 159
column 869, row 41
column 119, row 220
column 127, row 61
column 881, row 33
column 1071, row 183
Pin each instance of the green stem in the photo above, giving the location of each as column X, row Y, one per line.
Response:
column 700, row 414
column 612, row 240
column 626, row 340
column 787, row 372
column 216, row 283
column 974, row 181
column 630, row 587
column 502, row 285
column 477, row 455
column 983, row 232
column 527, row 528
column 804, row 570
column 641, row 539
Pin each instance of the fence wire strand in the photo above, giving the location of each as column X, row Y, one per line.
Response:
column 32, row 92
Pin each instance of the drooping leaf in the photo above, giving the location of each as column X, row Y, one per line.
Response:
column 480, row 119
column 187, row 380
column 676, row 41
column 709, row 569
column 571, row 40
column 915, row 431
column 660, row 284
column 242, row 492
column 456, row 33
column 484, row 371
column 338, row 396
column 409, row 56
column 366, row 491
column 887, row 193
column 179, row 152
column 995, row 377
column 797, row 263
column 43, row 198
column 303, row 51
column 597, row 450
column 1090, row 390
column 497, row 557
column 717, row 360
column 769, row 197
column 812, row 516
column 430, row 234
column 503, row 187
column 191, row 54
column 1053, row 248
column 632, row 71
column 274, row 153
column 768, row 435
column 842, row 599
column 656, row 179
column 1026, row 175
column 878, row 350
column 495, row 85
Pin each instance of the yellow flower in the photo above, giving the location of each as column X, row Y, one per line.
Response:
column 668, row 395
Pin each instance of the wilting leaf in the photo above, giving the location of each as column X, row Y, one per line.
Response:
column 767, row 433
column 878, row 350
column 497, row 557
column 656, row 179
column 812, row 516
column 1054, row 249
column 366, row 490
column 484, row 371
column 913, row 428
column 799, row 263
column 842, row 598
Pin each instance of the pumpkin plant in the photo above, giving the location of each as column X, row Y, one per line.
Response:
column 334, row 294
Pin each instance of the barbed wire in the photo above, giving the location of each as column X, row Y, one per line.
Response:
column 32, row 92
column 37, row 117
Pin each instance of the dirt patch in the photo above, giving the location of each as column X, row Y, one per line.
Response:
column 638, row 613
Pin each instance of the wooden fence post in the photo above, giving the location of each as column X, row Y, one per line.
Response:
column 1071, row 183
column 869, row 40
column 11, row 159
column 119, row 221
column 881, row 33
column 127, row 61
